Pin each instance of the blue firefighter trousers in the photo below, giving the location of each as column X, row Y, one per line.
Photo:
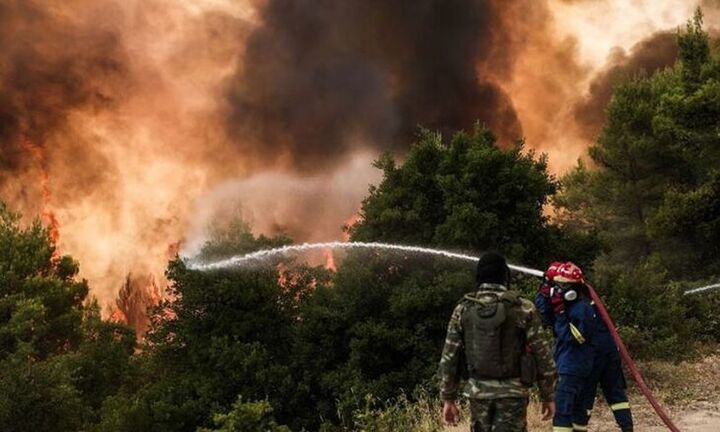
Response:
column 607, row 372
column 568, row 401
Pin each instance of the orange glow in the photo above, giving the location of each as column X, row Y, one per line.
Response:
column 330, row 260
column 352, row 220
column 48, row 216
column 130, row 101
column 116, row 315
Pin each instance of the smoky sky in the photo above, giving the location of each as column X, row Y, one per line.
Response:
column 318, row 76
column 658, row 51
column 50, row 66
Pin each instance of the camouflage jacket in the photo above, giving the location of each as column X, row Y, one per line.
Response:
column 453, row 358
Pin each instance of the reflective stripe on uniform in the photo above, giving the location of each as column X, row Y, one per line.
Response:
column 576, row 334
column 620, row 406
column 562, row 429
column 581, row 428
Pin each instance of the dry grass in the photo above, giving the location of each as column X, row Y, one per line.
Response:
column 690, row 391
column 535, row 422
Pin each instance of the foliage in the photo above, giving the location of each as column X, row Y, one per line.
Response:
column 246, row 417
column 468, row 194
column 224, row 333
column 311, row 349
column 653, row 194
column 236, row 238
column 58, row 359
column 654, row 326
column 377, row 330
column 419, row 414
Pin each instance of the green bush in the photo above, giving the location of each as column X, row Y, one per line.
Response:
column 246, row 417
column 418, row 414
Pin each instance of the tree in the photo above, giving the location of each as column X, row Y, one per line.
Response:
column 40, row 302
column 246, row 417
column 660, row 140
column 223, row 334
column 377, row 330
column 653, row 192
column 467, row 194
column 58, row 359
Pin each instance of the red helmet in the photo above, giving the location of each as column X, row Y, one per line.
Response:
column 569, row 273
column 552, row 270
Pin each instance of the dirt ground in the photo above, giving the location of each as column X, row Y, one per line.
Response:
column 689, row 391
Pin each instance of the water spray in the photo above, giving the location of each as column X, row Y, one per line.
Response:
column 241, row 260
column 702, row 289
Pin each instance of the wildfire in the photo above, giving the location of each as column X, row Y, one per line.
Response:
column 136, row 296
column 349, row 223
column 155, row 138
column 48, row 216
column 330, row 260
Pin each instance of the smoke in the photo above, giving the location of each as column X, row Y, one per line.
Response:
column 317, row 80
column 647, row 56
column 58, row 66
column 311, row 207
column 127, row 131
column 149, row 120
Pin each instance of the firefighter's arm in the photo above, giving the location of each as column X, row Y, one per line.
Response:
column 540, row 345
column 450, row 361
column 544, row 307
column 575, row 325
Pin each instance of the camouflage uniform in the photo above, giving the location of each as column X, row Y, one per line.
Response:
column 497, row 405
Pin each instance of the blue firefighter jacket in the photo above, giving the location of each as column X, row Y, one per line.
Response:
column 544, row 307
column 575, row 330
column 602, row 341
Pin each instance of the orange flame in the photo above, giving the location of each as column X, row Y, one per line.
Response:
column 330, row 260
column 349, row 223
column 137, row 295
column 48, row 216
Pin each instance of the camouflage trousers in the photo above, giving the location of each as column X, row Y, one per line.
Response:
column 498, row 415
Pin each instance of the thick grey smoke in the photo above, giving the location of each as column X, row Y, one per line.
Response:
column 647, row 56
column 317, row 79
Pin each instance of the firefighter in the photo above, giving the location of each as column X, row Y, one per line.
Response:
column 491, row 335
column 607, row 372
column 574, row 326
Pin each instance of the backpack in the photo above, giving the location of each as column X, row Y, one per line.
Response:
column 493, row 338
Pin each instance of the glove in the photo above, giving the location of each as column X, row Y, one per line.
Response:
column 544, row 290
column 558, row 302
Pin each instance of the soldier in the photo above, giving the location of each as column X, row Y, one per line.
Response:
column 495, row 341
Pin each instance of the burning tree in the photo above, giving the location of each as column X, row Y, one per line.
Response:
column 59, row 360
column 136, row 296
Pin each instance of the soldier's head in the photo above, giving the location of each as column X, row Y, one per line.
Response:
column 492, row 268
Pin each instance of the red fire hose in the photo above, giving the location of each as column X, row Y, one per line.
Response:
column 634, row 371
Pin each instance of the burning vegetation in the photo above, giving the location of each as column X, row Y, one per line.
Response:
column 125, row 141
column 147, row 156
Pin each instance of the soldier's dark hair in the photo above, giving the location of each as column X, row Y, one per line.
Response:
column 492, row 268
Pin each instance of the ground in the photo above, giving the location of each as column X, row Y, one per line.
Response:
column 690, row 391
